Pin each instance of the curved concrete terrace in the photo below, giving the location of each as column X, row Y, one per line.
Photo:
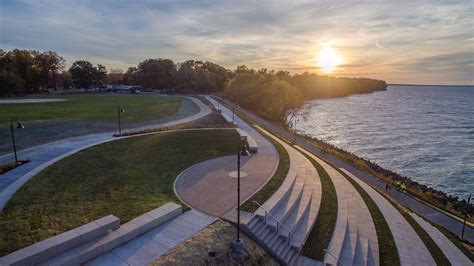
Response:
column 45, row 155
column 411, row 249
column 208, row 187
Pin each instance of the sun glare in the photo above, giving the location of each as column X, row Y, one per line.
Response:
column 328, row 59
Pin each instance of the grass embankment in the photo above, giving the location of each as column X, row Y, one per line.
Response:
column 387, row 247
column 321, row 233
column 125, row 178
column 276, row 180
column 102, row 108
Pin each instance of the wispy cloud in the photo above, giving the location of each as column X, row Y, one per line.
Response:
column 418, row 38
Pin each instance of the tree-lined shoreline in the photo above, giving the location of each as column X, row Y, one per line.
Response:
column 269, row 93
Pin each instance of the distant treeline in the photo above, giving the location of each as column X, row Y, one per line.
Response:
column 268, row 93
column 30, row 71
column 273, row 94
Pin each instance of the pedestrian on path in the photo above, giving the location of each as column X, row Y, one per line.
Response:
column 387, row 187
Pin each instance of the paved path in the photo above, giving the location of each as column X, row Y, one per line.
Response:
column 406, row 200
column 208, row 187
column 31, row 100
column 44, row 155
column 454, row 255
column 411, row 249
column 149, row 246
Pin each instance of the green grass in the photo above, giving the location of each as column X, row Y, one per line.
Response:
column 387, row 247
column 321, row 233
column 101, row 108
column 126, row 178
column 275, row 182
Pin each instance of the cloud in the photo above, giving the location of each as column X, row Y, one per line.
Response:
column 274, row 35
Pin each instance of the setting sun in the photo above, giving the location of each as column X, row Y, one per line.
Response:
column 328, row 59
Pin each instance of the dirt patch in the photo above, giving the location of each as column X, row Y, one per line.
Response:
column 211, row 246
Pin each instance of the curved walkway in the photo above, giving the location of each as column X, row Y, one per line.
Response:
column 354, row 240
column 411, row 249
column 44, row 155
column 454, row 255
column 208, row 187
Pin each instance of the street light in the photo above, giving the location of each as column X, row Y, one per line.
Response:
column 294, row 129
column 233, row 107
column 119, row 111
column 465, row 215
column 19, row 125
column 238, row 245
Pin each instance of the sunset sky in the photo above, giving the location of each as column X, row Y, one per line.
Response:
column 424, row 42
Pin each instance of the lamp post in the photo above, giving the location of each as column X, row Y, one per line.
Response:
column 237, row 245
column 119, row 111
column 233, row 106
column 19, row 125
column 294, row 129
column 465, row 216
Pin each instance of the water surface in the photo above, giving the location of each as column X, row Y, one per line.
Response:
column 424, row 132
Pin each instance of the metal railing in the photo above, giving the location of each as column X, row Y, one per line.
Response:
column 332, row 255
column 279, row 225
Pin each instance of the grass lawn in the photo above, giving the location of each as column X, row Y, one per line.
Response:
column 125, row 178
column 102, row 108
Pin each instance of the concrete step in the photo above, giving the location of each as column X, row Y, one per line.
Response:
column 335, row 246
column 293, row 219
column 371, row 261
column 361, row 253
column 280, row 211
column 280, row 195
column 349, row 245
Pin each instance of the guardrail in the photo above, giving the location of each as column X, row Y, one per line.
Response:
column 279, row 224
column 338, row 261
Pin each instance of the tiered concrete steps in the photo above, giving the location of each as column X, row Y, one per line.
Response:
column 354, row 241
column 411, row 249
column 295, row 205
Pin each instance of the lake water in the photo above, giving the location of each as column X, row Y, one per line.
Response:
column 423, row 132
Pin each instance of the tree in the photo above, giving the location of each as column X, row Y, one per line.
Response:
column 10, row 83
column 56, row 65
column 100, row 75
column 156, row 74
column 130, row 77
column 83, row 74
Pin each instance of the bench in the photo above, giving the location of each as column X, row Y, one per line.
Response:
column 92, row 241
column 61, row 243
column 253, row 148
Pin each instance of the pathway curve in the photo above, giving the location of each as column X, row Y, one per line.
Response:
column 452, row 224
column 354, row 240
column 45, row 155
column 411, row 249
column 454, row 255
column 208, row 187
